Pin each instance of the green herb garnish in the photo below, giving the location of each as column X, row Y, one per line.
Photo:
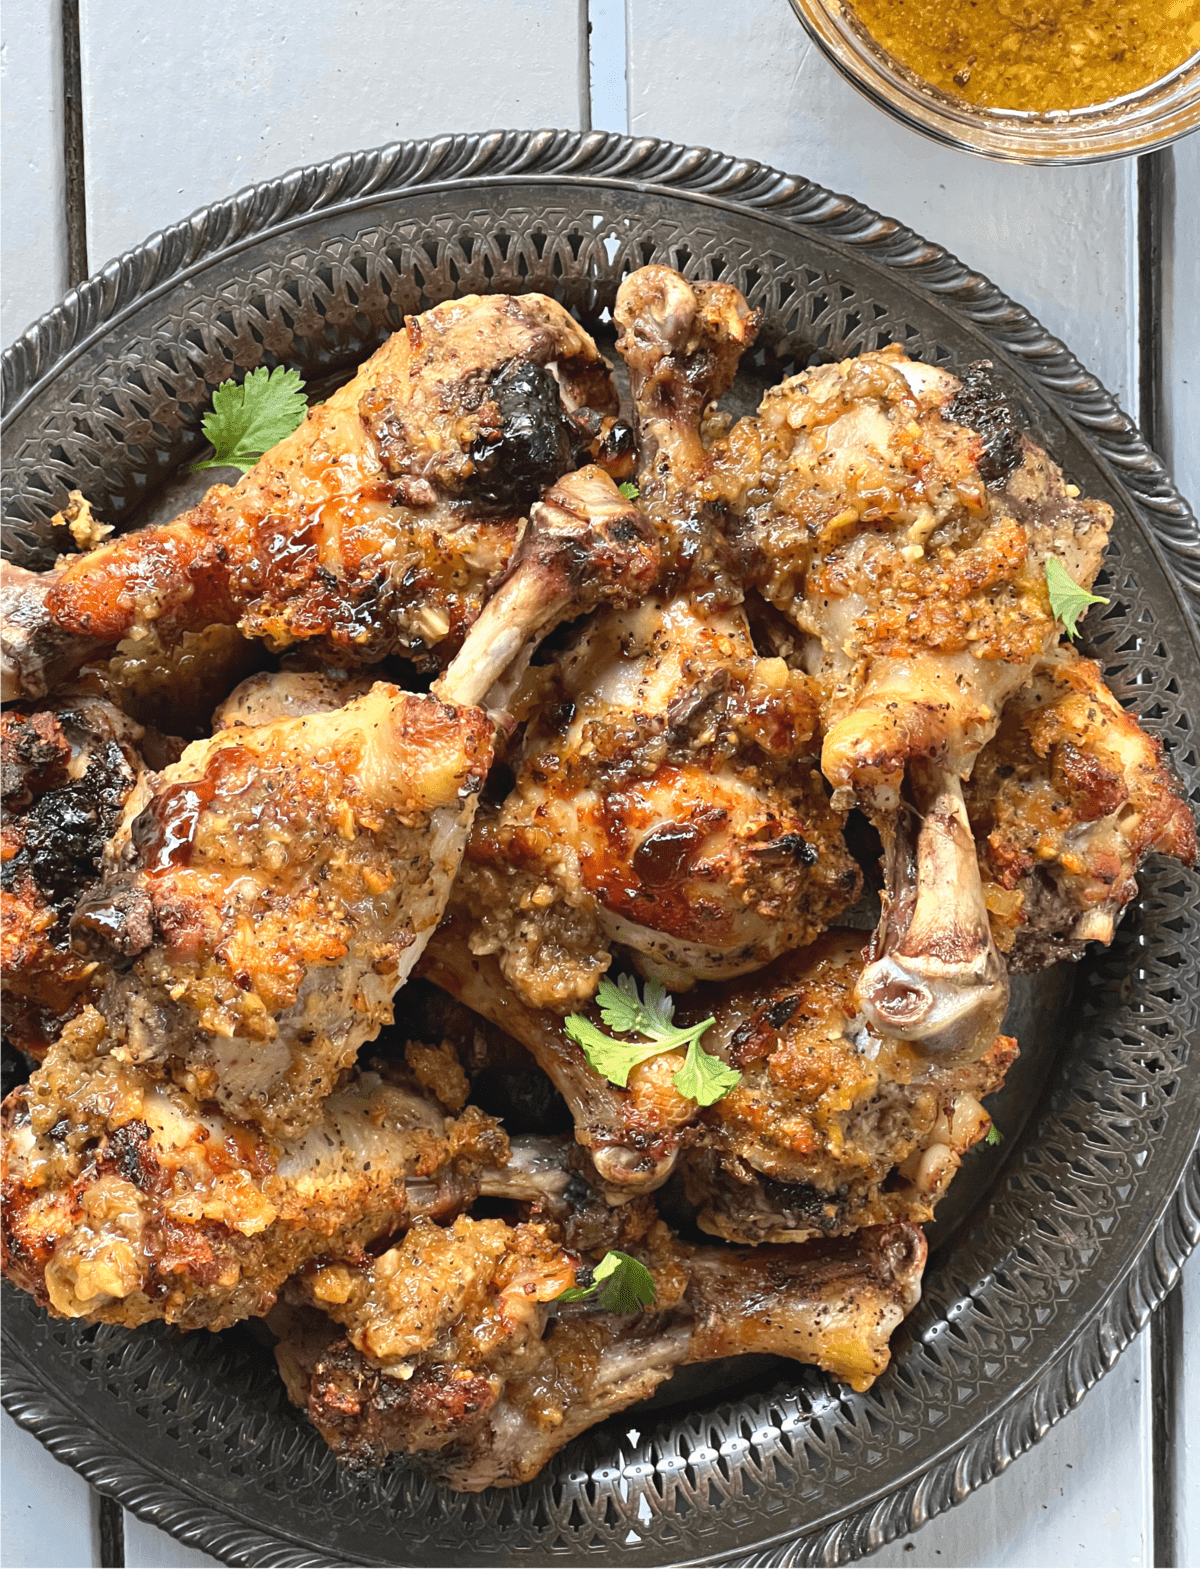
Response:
column 247, row 421
column 629, row 490
column 1067, row 600
column 993, row 1135
column 703, row 1077
column 624, row 1285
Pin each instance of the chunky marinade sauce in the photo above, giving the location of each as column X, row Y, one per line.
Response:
column 1036, row 54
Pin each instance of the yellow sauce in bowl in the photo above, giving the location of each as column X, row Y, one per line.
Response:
column 1036, row 54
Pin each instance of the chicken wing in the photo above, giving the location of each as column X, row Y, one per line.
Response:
column 375, row 528
column 1066, row 801
column 449, row 1351
column 125, row 1200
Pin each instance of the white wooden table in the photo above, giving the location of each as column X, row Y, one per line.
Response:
column 182, row 104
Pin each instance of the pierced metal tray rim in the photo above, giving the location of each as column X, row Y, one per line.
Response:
column 492, row 161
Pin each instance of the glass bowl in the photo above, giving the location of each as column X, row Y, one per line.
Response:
column 1136, row 123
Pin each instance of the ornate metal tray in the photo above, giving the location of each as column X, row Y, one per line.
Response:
column 1061, row 1243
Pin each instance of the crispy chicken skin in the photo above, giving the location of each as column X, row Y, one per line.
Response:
column 448, row 1350
column 67, row 773
column 1066, row 802
column 374, row 528
column 125, row 1200
column 271, row 891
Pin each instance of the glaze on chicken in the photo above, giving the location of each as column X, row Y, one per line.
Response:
column 374, row 528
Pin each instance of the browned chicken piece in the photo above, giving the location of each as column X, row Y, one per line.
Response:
column 831, row 1126
column 271, row 891
column 666, row 800
column 665, row 796
column 448, row 1350
column 126, row 1201
column 1066, row 802
column 682, row 343
column 374, row 528
column 904, row 526
column 274, row 888
column 67, row 773
column 632, row 1135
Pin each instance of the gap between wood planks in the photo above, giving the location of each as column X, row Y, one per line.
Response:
column 1155, row 210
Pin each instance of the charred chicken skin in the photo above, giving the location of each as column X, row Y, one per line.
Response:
column 447, row 1350
column 375, row 528
column 1066, row 802
column 67, row 773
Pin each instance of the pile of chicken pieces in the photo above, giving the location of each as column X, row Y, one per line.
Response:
column 513, row 693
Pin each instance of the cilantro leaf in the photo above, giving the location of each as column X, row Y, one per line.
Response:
column 247, row 421
column 613, row 1060
column 1067, row 600
column 629, row 490
column 705, row 1078
column 624, row 1285
column 994, row 1135
column 702, row 1078
column 621, row 1008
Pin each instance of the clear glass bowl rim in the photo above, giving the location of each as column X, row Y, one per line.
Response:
column 1156, row 114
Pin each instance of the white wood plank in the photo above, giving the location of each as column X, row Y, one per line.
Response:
column 146, row 1547
column 607, row 54
column 47, row 1513
column 186, row 104
column 1187, row 1433
column 745, row 79
column 1076, row 1500
column 1181, row 326
column 1181, row 378
column 34, row 275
